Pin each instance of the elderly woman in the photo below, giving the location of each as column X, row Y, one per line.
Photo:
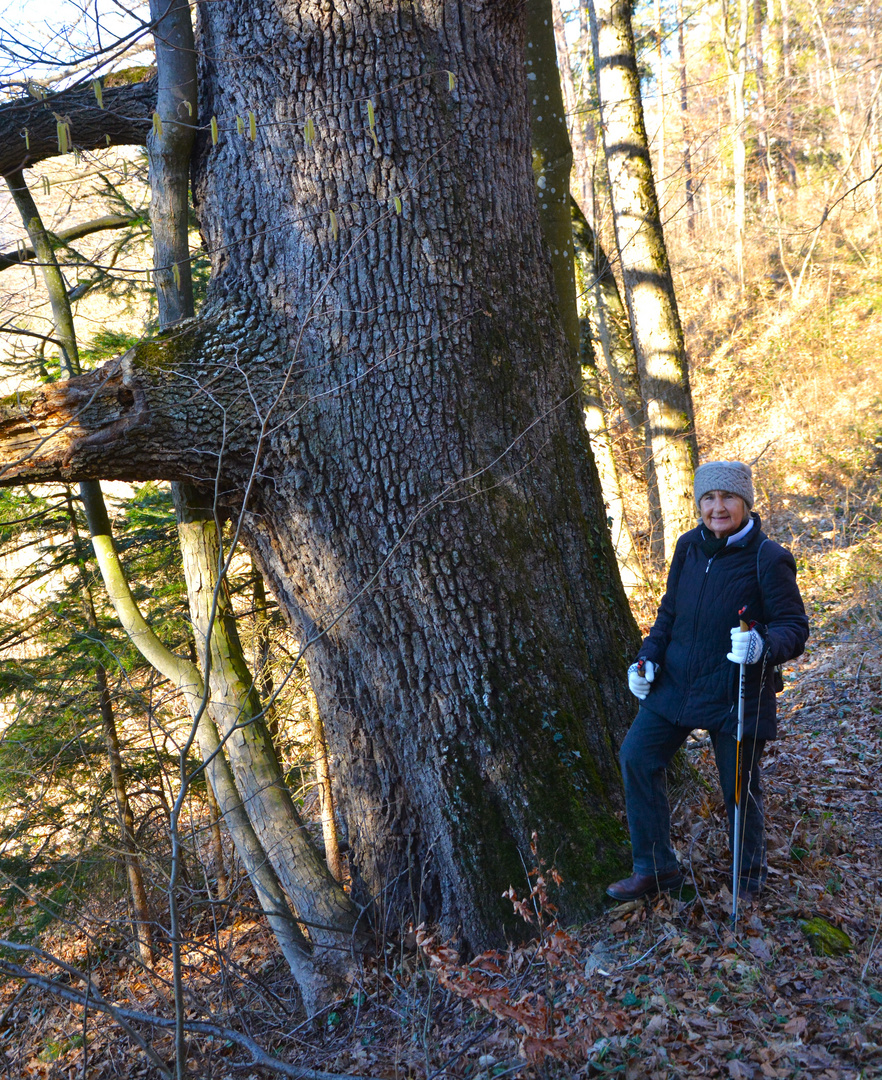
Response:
column 686, row 676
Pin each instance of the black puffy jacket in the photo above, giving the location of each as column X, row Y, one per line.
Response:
column 695, row 685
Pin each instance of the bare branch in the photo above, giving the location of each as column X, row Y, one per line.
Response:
column 29, row 126
column 140, row 416
column 64, row 236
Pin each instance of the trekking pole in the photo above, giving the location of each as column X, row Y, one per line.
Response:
column 736, row 846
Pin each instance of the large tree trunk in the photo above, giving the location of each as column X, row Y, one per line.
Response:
column 233, row 703
column 649, row 288
column 388, row 398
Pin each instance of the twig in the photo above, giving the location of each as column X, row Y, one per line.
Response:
column 872, row 949
column 464, row 1050
column 760, row 454
column 667, row 933
column 259, row 1056
column 84, row 999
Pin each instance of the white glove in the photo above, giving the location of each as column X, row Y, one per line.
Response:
column 639, row 684
column 747, row 646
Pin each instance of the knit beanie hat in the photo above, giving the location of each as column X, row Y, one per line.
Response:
column 731, row 476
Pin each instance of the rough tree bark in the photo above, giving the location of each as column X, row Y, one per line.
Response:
column 649, row 288
column 379, row 385
column 233, row 703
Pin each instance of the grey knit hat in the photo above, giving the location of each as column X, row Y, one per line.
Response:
column 731, row 476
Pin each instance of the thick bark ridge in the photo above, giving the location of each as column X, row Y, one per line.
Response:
column 382, row 371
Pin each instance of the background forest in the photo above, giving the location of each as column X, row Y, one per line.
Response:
column 137, row 937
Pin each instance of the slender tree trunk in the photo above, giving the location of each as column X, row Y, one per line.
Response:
column 317, row 986
column 69, row 363
column 630, row 570
column 578, row 117
column 787, row 70
column 219, row 866
column 333, row 855
column 762, row 133
column 610, row 331
column 552, row 160
column 329, row 915
column 608, row 320
column 263, row 676
column 734, row 34
column 660, row 138
column 689, row 191
column 649, row 289
column 833, row 85
column 142, row 922
column 169, row 145
column 604, row 324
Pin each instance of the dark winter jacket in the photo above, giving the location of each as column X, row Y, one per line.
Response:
column 695, row 685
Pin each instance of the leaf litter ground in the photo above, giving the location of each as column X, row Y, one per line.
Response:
column 656, row 990
column 647, row 990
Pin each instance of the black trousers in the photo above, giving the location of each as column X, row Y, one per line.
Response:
column 646, row 752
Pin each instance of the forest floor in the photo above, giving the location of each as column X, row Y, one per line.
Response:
column 652, row 990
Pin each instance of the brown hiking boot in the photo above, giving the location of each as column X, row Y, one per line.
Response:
column 639, row 885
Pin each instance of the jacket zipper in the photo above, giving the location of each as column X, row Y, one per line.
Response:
column 694, row 633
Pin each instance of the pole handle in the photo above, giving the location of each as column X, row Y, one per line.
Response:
column 744, row 625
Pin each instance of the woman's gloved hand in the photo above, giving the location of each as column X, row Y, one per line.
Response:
column 639, row 684
column 747, row 646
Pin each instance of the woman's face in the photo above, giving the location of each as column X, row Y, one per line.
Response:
column 723, row 512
